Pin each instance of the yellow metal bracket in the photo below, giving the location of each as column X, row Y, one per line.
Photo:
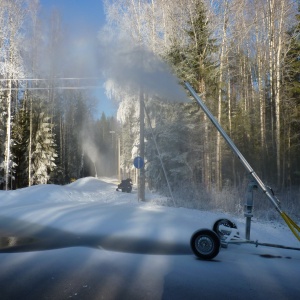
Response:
column 292, row 225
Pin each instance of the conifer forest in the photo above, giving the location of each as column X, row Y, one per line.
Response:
column 241, row 56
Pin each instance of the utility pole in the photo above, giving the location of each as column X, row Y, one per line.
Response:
column 141, row 191
column 112, row 132
column 119, row 158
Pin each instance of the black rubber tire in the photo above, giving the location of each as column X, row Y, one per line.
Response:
column 205, row 244
column 224, row 222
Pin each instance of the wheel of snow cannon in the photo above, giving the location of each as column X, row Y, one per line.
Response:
column 205, row 244
column 224, row 222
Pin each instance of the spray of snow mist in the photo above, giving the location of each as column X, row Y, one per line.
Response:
column 90, row 149
column 133, row 67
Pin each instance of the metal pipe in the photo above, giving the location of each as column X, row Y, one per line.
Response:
column 249, row 207
column 263, row 187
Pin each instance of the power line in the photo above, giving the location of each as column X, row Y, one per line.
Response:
column 53, row 88
column 52, row 79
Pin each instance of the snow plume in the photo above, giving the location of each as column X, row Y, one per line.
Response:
column 90, row 150
column 132, row 67
column 73, row 53
column 81, row 56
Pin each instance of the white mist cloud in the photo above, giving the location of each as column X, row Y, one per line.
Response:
column 92, row 152
column 133, row 67
column 90, row 149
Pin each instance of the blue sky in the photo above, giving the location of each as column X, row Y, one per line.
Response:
column 82, row 20
column 78, row 14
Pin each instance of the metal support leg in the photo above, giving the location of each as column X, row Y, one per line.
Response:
column 248, row 207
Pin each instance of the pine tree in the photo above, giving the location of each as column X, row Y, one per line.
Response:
column 20, row 136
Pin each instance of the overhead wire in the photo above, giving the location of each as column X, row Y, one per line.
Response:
column 51, row 80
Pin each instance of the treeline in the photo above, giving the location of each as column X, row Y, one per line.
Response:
column 49, row 132
column 243, row 58
column 56, row 146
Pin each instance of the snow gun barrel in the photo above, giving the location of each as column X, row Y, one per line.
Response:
column 267, row 191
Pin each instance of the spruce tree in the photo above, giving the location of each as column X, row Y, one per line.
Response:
column 44, row 154
column 20, row 136
column 192, row 61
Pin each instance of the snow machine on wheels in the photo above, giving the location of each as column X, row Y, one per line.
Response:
column 125, row 186
column 205, row 243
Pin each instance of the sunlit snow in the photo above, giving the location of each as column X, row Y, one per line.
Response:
column 88, row 222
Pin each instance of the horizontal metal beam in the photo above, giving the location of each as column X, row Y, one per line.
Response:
column 52, row 88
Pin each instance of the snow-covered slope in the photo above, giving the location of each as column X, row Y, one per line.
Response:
column 89, row 213
column 92, row 206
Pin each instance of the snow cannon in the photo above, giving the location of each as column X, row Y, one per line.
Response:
column 206, row 243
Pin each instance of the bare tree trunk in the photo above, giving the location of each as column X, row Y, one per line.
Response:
column 153, row 26
column 260, row 97
column 137, row 16
column 7, row 169
column 33, row 69
column 206, row 164
column 277, row 91
column 165, row 23
column 142, row 148
column 30, row 143
column 229, row 100
column 218, row 170
column 62, row 148
column 271, row 33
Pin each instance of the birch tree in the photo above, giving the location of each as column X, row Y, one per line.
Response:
column 222, row 60
column 11, row 65
column 33, row 62
column 278, row 13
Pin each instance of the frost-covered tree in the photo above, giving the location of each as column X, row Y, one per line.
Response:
column 20, row 136
column 128, row 116
column 44, row 152
column 192, row 60
column 166, row 137
column 2, row 136
column 12, row 18
column 76, row 117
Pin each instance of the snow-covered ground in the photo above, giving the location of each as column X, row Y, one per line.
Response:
column 89, row 241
